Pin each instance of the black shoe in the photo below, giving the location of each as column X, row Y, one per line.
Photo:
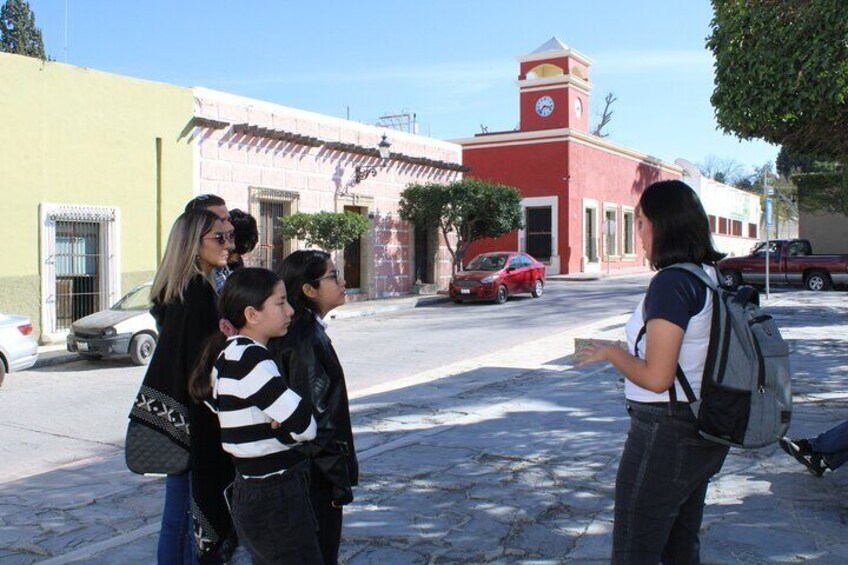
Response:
column 812, row 460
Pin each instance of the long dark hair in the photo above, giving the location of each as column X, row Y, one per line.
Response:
column 245, row 287
column 304, row 266
column 681, row 229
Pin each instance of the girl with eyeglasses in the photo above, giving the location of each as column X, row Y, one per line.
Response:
column 195, row 521
column 315, row 287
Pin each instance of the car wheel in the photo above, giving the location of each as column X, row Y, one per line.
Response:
column 501, row 297
column 2, row 370
column 732, row 279
column 817, row 280
column 90, row 356
column 141, row 349
column 538, row 289
column 457, row 301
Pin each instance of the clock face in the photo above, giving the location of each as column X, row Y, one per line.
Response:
column 545, row 106
column 578, row 107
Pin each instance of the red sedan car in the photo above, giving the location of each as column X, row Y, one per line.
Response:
column 496, row 276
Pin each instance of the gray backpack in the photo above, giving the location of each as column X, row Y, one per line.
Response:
column 746, row 397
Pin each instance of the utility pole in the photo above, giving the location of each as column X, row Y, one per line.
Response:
column 767, row 192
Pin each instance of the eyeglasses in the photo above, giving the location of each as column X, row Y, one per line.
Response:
column 222, row 238
column 334, row 274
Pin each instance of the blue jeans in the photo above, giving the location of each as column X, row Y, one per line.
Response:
column 274, row 518
column 661, row 486
column 176, row 538
column 833, row 444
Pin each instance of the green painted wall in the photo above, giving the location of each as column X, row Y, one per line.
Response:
column 70, row 135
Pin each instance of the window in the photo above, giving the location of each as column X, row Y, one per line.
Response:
column 736, row 228
column 268, row 206
column 752, row 231
column 539, row 236
column 712, row 223
column 610, row 232
column 80, row 264
column 722, row 225
column 629, row 240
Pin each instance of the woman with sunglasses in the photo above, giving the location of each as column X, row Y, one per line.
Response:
column 196, row 524
column 315, row 287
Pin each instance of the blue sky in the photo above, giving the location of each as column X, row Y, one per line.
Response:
column 450, row 62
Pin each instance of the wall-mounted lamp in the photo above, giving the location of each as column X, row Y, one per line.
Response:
column 361, row 173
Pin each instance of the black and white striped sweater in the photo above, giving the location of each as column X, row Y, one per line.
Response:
column 248, row 394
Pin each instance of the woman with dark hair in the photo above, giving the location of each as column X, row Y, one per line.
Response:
column 666, row 466
column 306, row 355
column 245, row 237
column 195, row 520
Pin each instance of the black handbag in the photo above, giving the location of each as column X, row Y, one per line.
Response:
column 149, row 451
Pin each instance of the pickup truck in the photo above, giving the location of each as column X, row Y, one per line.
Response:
column 791, row 261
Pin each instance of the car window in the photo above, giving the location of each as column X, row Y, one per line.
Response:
column 516, row 263
column 799, row 248
column 136, row 299
column 760, row 249
column 525, row 261
column 487, row 263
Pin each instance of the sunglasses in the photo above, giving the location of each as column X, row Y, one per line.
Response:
column 221, row 238
column 334, row 274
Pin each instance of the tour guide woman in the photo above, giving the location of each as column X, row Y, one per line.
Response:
column 664, row 470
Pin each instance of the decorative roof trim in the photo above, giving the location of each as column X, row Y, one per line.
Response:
column 277, row 134
column 201, row 122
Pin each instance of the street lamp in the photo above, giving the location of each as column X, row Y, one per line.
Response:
column 363, row 172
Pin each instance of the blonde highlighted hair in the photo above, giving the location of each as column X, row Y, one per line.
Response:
column 179, row 265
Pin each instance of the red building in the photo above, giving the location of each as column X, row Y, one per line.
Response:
column 579, row 190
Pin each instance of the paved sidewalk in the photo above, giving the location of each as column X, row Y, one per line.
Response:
column 507, row 458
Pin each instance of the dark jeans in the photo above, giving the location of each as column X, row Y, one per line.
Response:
column 176, row 537
column 833, row 444
column 661, row 486
column 329, row 519
column 274, row 519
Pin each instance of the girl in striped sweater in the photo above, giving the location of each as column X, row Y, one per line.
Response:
column 262, row 422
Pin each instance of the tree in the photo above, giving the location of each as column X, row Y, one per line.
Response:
column 472, row 209
column 821, row 183
column 606, row 117
column 781, row 73
column 325, row 230
column 18, row 32
column 728, row 171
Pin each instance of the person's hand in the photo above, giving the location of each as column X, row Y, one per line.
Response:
column 227, row 328
column 335, row 505
column 274, row 424
column 591, row 353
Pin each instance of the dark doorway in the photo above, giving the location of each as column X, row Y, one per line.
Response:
column 539, row 236
column 353, row 257
column 271, row 249
column 423, row 255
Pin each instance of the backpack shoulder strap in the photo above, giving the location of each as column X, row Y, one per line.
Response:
column 697, row 271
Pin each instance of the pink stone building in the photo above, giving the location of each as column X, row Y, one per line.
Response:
column 273, row 161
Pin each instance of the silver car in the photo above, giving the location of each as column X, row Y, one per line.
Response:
column 18, row 350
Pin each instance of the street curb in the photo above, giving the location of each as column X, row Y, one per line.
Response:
column 51, row 359
column 377, row 308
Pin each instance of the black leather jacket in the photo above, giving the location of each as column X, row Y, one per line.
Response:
column 306, row 356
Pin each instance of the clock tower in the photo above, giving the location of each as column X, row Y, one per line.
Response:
column 554, row 88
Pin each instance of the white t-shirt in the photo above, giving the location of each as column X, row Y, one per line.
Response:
column 672, row 294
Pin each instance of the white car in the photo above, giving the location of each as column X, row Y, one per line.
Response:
column 18, row 350
column 125, row 328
